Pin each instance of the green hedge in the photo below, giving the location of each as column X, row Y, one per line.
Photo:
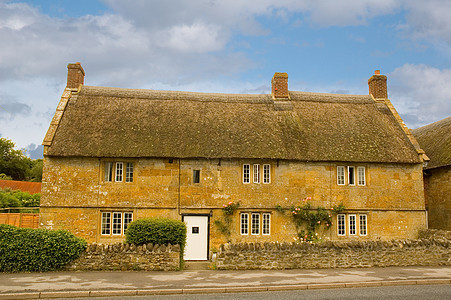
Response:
column 156, row 231
column 37, row 250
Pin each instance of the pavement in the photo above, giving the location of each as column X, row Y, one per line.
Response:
column 116, row 283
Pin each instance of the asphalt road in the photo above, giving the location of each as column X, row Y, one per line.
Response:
column 429, row 292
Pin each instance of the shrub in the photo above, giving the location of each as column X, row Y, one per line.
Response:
column 156, row 231
column 37, row 250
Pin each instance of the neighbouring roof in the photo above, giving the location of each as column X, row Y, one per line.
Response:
column 115, row 122
column 24, row 186
column 435, row 140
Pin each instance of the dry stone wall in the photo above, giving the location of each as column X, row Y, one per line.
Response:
column 127, row 257
column 335, row 254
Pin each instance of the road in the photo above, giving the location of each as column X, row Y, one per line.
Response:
column 414, row 292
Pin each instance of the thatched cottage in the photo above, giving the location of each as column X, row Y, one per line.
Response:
column 435, row 139
column 114, row 155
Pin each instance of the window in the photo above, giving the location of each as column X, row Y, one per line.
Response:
column 108, row 171
column 266, row 225
column 341, row 175
column 352, row 224
column 246, row 173
column 244, row 224
column 351, row 175
column 196, row 176
column 255, row 223
column 266, row 173
column 115, row 223
column 341, row 224
column 106, row 223
column 362, row 225
column 129, row 172
column 256, row 173
column 117, row 168
column 361, row 175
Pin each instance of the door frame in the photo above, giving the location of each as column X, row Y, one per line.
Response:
column 208, row 229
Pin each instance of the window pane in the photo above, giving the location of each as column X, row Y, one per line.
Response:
column 244, row 225
column 119, row 169
column 196, row 176
column 363, row 225
column 351, row 175
column 266, row 223
column 352, row 225
column 246, row 174
column 129, row 172
column 266, row 173
column 117, row 223
column 361, row 175
column 341, row 224
column 256, row 173
column 340, row 175
column 106, row 223
column 108, row 171
column 255, row 224
column 128, row 218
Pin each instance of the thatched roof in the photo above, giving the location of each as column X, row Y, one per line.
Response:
column 435, row 140
column 113, row 122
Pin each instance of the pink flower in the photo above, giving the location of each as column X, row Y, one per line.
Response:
column 230, row 203
column 308, row 198
column 319, row 222
column 224, row 205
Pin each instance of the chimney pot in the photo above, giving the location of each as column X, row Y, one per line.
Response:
column 279, row 85
column 75, row 75
column 377, row 85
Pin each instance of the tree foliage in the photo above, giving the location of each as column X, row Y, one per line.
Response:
column 15, row 165
column 10, row 198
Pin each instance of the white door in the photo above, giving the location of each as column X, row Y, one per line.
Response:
column 196, row 237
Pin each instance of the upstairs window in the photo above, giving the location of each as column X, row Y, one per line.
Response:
column 196, row 176
column 118, row 171
column 256, row 173
column 354, row 176
column 246, row 173
column 266, row 173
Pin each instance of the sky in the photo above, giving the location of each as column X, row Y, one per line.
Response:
column 225, row 46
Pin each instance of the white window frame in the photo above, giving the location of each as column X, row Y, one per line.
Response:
column 105, row 228
column 266, row 224
column 256, row 173
column 255, row 224
column 363, row 228
column 351, row 182
column 341, row 178
column 129, row 170
column 244, row 223
column 108, row 171
column 119, row 174
column 361, row 181
column 114, row 223
column 352, row 224
column 266, row 173
column 246, row 173
column 341, row 224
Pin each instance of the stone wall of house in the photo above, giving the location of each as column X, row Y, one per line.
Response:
column 337, row 254
column 128, row 257
column 74, row 195
column 438, row 197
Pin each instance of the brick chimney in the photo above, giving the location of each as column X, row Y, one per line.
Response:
column 75, row 75
column 279, row 84
column 378, row 85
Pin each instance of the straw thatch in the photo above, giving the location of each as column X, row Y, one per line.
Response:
column 435, row 140
column 113, row 122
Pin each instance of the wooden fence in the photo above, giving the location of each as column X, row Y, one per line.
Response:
column 20, row 219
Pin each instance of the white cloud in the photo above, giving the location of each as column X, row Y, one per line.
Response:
column 421, row 93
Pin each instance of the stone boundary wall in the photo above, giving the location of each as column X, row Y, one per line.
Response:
column 128, row 257
column 334, row 254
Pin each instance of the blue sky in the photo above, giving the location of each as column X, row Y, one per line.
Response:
column 222, row 46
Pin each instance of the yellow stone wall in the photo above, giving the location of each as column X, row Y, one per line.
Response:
column 74, row 194
column 438, row 198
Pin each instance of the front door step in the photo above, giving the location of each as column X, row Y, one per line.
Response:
column 197, row 265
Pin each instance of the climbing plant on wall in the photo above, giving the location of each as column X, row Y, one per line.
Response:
column 308, row 220
column 227, row 212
